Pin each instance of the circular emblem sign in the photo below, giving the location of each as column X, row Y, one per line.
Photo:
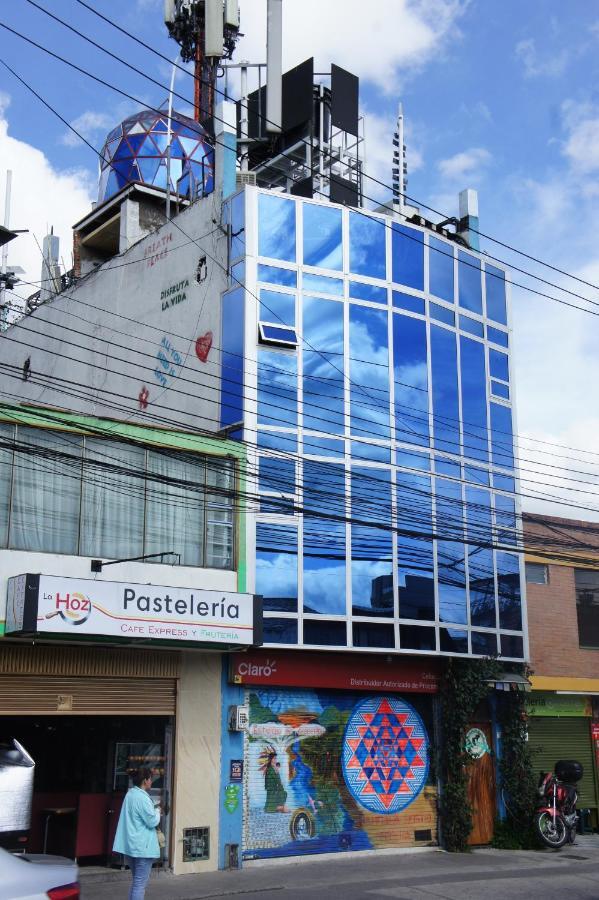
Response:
column 385, row 754
column 475, row 743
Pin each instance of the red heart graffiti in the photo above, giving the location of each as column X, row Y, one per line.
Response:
column 144, row 396
column 203, row 346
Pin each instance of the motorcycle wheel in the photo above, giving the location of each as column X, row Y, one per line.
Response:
column 553, row 834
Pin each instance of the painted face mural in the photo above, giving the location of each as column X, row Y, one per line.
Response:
column 329, row 771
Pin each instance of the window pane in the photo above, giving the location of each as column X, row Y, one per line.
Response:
column 373, row 634
column 279, row 631
column 498, row 389
column 408, row 256
column 445, row 390
column 470, row 283
column 413, row 637
column 411, row 381
column 277, row 388
column 324, row 538
column 231, row 410
column 276, row 227
column 484, row 644
column 277, row 440
column 450, row 552
column 508, row 586
column 332, row 634
column 238, row 225
column 369, row 371
column 482, row 587
column 359, row 290
column 277, row 275
column 371, row 452
column 112, row 507
column 323, row 236
column 495, row 288
column 537, row 573
column 276, row 475
column 474, row 399
column 46, row 493
column 587, row 606
column 498, row 365
column 367, row 255
column 497, row 336
column 277, row 307
column 175, row 506
column 441, row 265
column 323, row 381
column 322, row 284
column 6, row 458
column 512, row 646
column 441, row 313
column 372, row 548
column 415, row 547
column 472, row 326
column 220, row 474
column 502, row 441
column 452, row 640
column 276, row 567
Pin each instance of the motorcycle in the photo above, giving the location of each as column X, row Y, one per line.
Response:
column 556, row 815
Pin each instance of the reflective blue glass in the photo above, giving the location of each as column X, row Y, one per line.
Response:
column 369, row 371
column 277, row 307
column 474, row 399
column 279, row 631
column 441, row 266
column 231, row 361
column 238, row 274
column 508, row 588
column 367, row 254
column 373, row 634
column 484, row 644
column 324, row 538
column 372, row 452
column 452, row 640
column 504, row 483
column 498, row 389
column 359, row 290
column 495, row 288
column 410, row 460
column 498, row 365
column 481, row 579
column 276, row 567
column 445, row 467
column 450, row 553
column 323, row 381
column 497, row 336
column 276, row 227
column 238, row 225
column 410, row 375
column 409, row 302
column 445, row 390
column 415, row 547
column 277, row 334
column 277, row 440
column 471, row 326
column 502, row 440
column 416, row 637
column 277, row 275
column 470, row 282
column 277, row 475
column 478, row 476
column 328, row 634
column 322, row 284
column 441, row 313
column 505, row 517
column 408, row 256
column 317, row 446
column 372, row 548
column 512, row 646
column 277, row 388
column 323, row 246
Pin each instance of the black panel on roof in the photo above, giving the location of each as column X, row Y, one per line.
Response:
column 345, row 90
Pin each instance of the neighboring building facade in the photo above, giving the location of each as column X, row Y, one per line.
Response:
column 563, row 615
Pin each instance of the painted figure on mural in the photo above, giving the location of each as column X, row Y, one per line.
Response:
column 276, row 795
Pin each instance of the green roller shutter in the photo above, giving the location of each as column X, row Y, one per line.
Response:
column 564, row 738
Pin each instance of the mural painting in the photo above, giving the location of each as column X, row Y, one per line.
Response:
column 329, row 771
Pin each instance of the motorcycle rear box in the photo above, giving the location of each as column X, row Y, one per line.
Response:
column 568, row 770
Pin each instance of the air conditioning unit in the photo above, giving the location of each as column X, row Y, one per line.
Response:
column 245, row 178
column 239, row 718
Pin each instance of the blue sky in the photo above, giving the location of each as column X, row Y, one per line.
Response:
column 499, row 96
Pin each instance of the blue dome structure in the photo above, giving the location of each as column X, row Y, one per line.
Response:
column 135, row 152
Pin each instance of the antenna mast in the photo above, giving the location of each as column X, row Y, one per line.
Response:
column 400, row 165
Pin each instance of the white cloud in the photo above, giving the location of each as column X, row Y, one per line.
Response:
column 88, row 124
column 534, row 66
column 377, row 41
column 581, row 123
column 465, row 166
column 42, row 196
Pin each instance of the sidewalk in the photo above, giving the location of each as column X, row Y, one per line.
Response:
column 487, row 874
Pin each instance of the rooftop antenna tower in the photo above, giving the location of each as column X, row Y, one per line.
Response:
column 10, row 310
column 206, row 31
column 400, row 166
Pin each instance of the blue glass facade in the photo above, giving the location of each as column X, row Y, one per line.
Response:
column 385, row 461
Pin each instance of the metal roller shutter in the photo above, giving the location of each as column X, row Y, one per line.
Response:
column 564, row 738
column 46, row 695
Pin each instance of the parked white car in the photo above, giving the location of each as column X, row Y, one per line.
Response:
column 34, row 876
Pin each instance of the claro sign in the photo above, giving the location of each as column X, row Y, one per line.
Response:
column 46, row 604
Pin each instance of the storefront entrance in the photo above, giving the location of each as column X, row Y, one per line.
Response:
column 82, row 772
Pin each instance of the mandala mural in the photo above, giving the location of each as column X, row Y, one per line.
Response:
column 385, row 754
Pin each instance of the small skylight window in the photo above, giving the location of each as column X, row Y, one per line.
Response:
column 279, row 335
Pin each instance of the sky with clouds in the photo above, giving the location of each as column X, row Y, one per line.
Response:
column 500, row 97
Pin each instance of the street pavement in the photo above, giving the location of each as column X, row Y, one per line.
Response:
column 484, row 874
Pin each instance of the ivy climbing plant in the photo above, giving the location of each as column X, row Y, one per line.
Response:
column 464, row 685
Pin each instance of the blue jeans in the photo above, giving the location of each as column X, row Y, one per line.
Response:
column 140, row 870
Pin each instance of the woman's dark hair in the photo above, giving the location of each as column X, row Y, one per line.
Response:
column 141, row 775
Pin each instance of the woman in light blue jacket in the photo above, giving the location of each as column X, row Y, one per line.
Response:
column 136, row 834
